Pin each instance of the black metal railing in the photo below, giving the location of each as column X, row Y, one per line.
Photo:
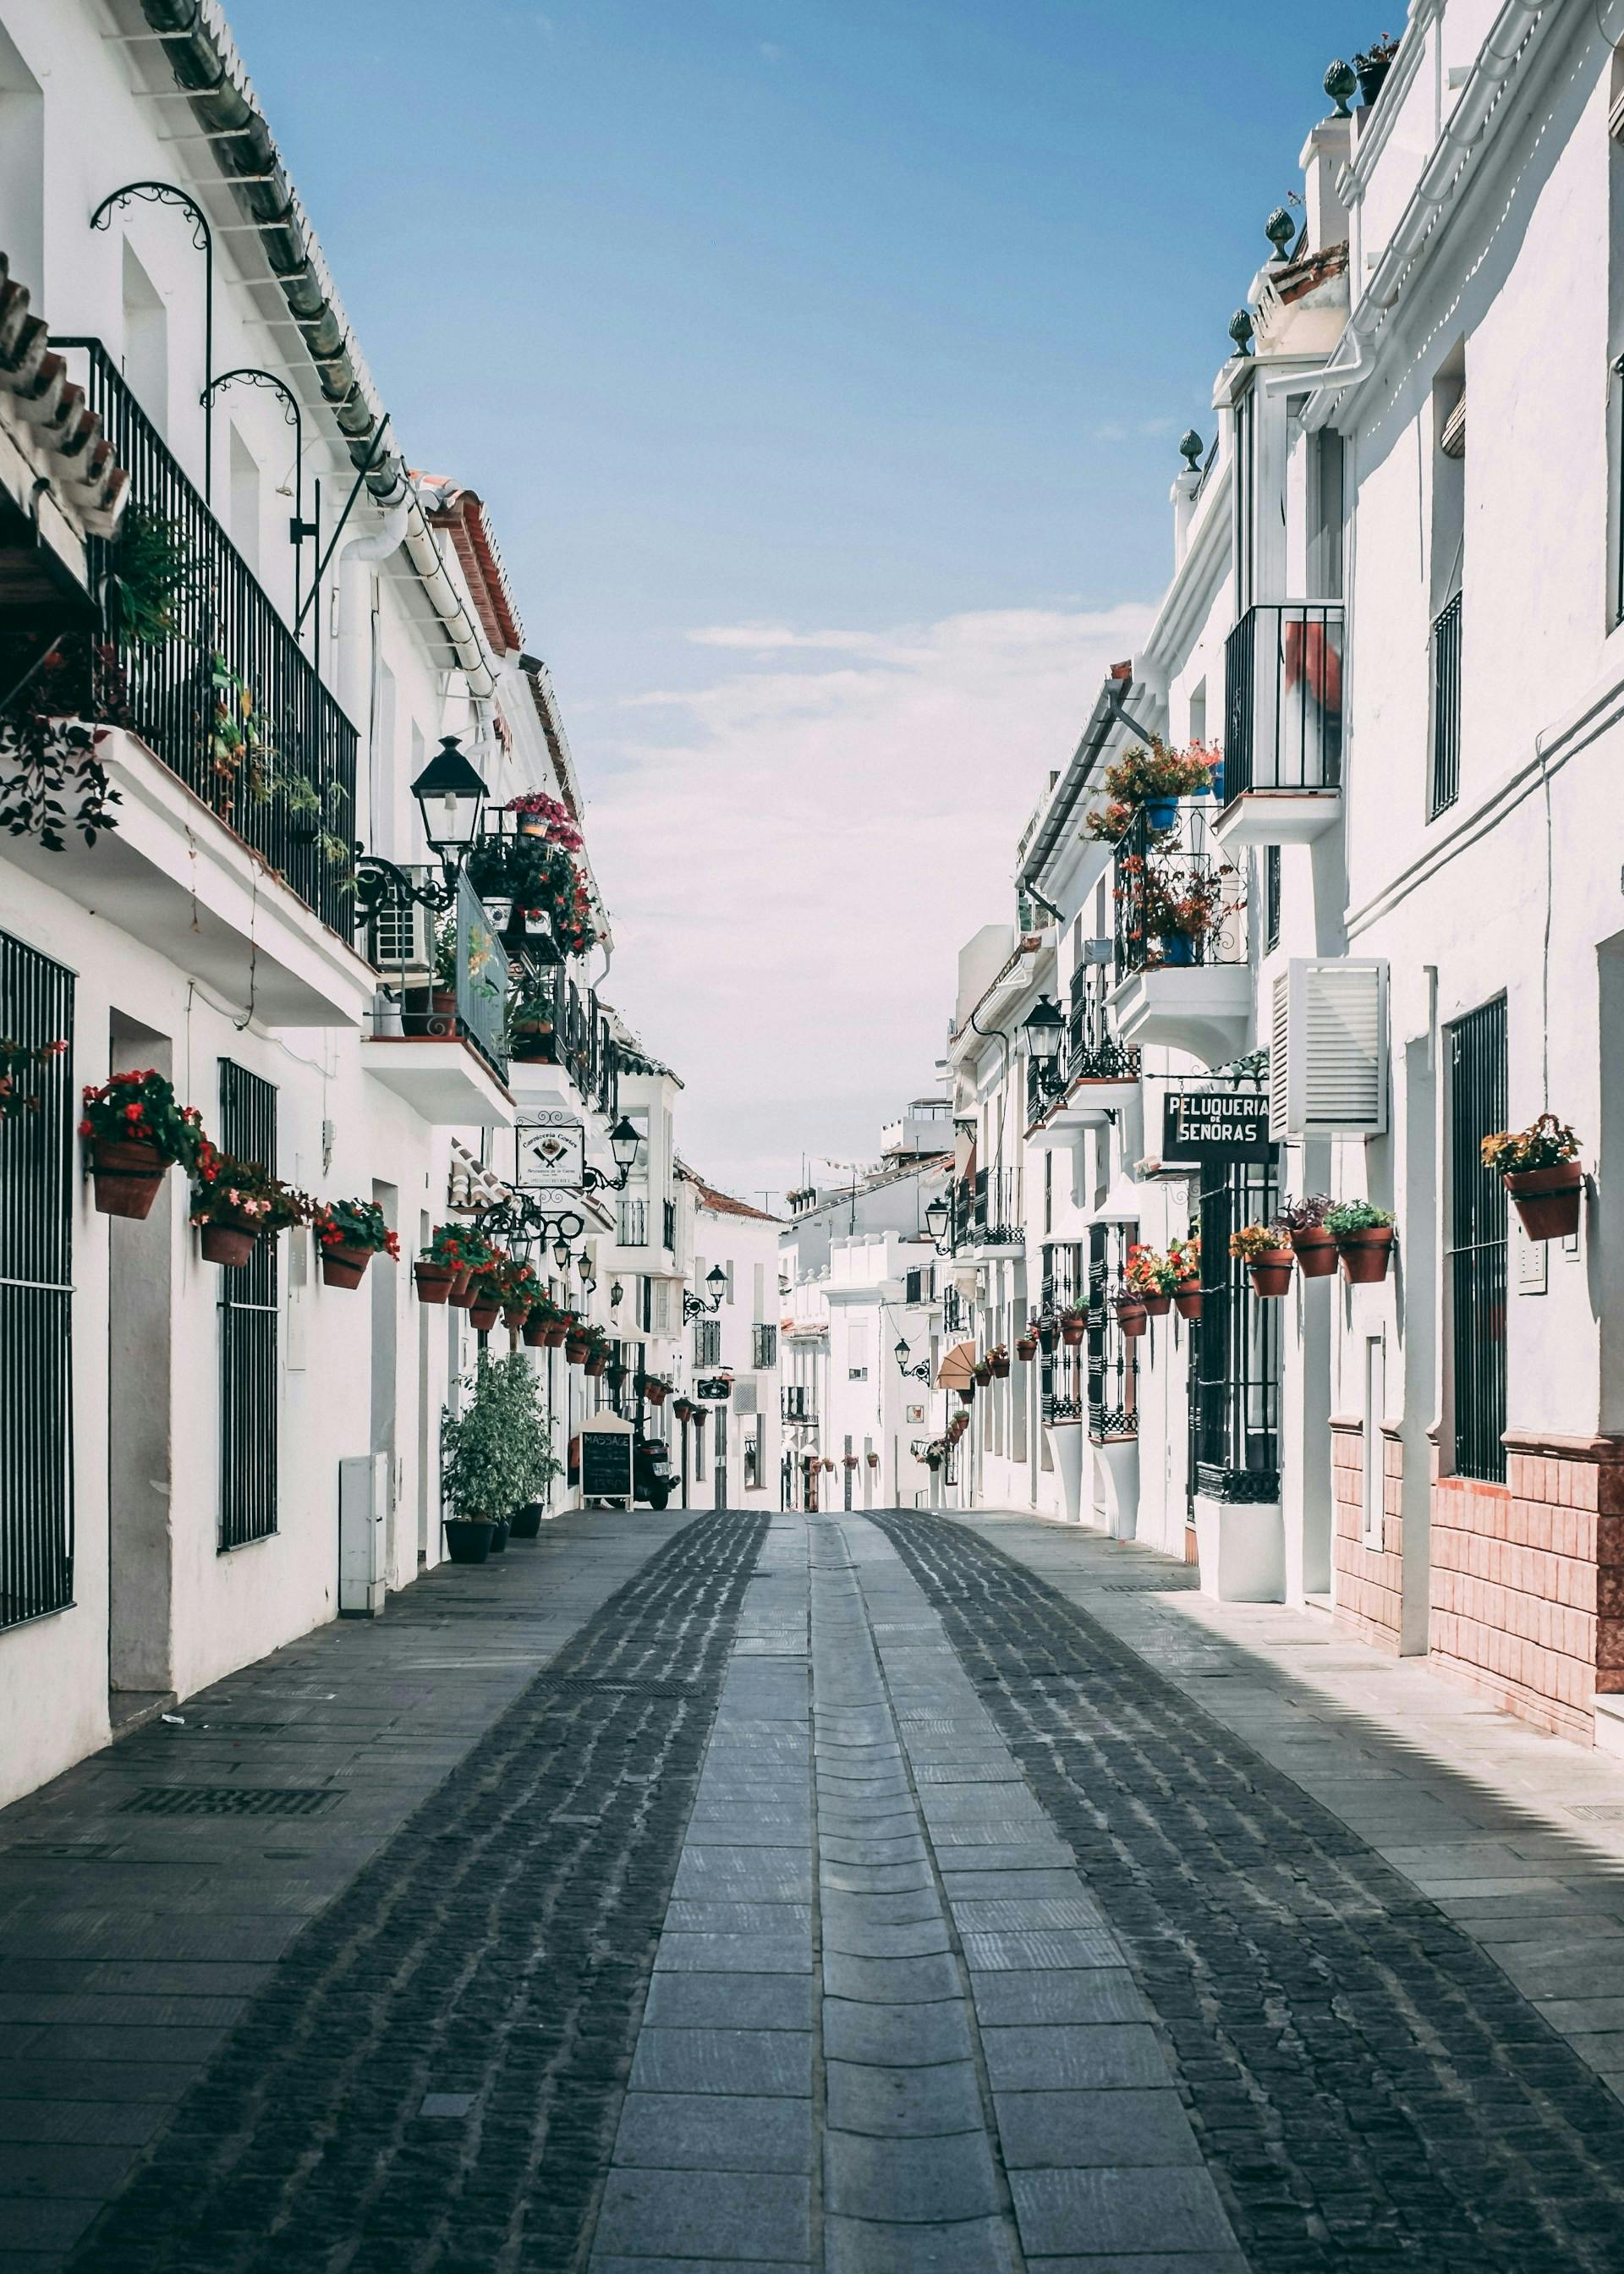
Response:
column 668, row 1227
column 1284, row 699
column 1177, row 901
column 1061, row 1384
column 1235, row 1349
column 37, row 1205
column 419, row 996
column 554, row 1024
column 1444, row 785
column 993, row 1218
column 228, row 701
column 1477, row 1249
column 248, row 1317
column 798, row 1405
column 482, row 978
column 1112, row 1361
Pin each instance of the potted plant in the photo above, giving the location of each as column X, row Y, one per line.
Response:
column 236, row 1202
column 537, row 815
column 531, row 1441
column 21, row 1065
column 999, row 1361
column 1539, row 1167
column 682, row 1409
column 484, row 1306
column 967, row 1392
column 483, row 1472
column 577, row 1341
column 1265, row 1251
column 654, row 1387
column 1312, row 1243
column 1363, row 1237
column 1073, row 1326
column 983, row 1372
column 933, row 1457
column 1185, row 1257
column 1129, row 1306
column 135, row 1132
column 1155, row 779
column 1027, row 1348
column 434, row 1271
column 616, row 1375
column 598, row 1352
column 1147, row 1274
column 849, row 1460
column 517, row 1289
column 349, row 1234
column 1372, row 66
column 873, row 1460
column 1048, row 1332
column 1179, row 913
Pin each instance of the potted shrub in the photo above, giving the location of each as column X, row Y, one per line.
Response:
column 466, row 1252
column 236, row 1202
column 1155, row 779
column 1147, row 1274
column 598, row 1353
column 349, row 1234
column 1312, row 1245
column 1073, row 1326
column 1539, row 1167
column 482, row 1471
column 1129, row 1305
column 873, row 1460
column 1027, row 1348
column 983, row 1372
column 1363, row 1237
column 531, row 1441
column 135, row 1132
column 1372, row 66
column 1265, row 1251
column 1184, row 1258
column 998, row 1361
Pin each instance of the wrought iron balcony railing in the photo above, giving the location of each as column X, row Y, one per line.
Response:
column 227, row 700
column 460, row 992
column 1284, row 699
column 554, row 1024
column 1177, row 901
column 1445, row 645
column 993, row 1218
column 798, row 1403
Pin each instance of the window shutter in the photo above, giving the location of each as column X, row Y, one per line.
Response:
column 1329, row 1065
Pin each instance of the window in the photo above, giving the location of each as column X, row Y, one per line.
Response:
column 1375, row 1444
column 1477, row 1252
column 1065, row 1289
column 248, row 1375
column 1271, row 898
column 755, row 1453
column 244, row 501
column 1112, row 1356
column 660, row 1306
column 707, row 1342
column 36, row 1294
column 1235, row 1349
column 764, row 1347
column 633, row 1221
column 1449, row 550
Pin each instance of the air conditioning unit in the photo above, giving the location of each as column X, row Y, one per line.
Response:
column 1328, row 1049
column 400, row 941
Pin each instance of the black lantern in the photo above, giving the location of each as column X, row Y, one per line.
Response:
column 587, row 1278
column 716, row 1280
column 1045, row 1030
column 935, row 1216
column 451, row 798
column 561, row 1253
column 624, row 1139
column 920, row 1372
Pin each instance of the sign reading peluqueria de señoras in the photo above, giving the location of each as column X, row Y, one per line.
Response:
column 1215, row 1125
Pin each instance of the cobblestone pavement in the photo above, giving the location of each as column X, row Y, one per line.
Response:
column 1369, row 2088
column 838, row 1897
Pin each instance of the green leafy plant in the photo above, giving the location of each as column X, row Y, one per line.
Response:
column 459, row 1246
column 1544, row 1144
column 152, row 573
column 1356, row 1216
column 228, row 1190
column 484, row 1465
column 520, row 1388
column 1308, row 1214
column 1254, row 1241
column 353, row 1224
column 140, row 1107
column 21, row 1063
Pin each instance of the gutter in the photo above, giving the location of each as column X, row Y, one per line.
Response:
column 198, row 48
column 1518, row 25
column 1116, row 691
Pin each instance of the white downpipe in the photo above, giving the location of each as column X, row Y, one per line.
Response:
column 461, row 627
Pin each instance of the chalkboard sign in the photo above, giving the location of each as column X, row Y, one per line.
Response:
column 1218, row 1125
column 607, row 1465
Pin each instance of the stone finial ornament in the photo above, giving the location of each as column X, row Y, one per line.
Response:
column 1280, row 229
column 1191, row 448
column 1240, row 331
column 1340, row 82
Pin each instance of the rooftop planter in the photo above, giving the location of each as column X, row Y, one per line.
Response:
column 1540, row 1169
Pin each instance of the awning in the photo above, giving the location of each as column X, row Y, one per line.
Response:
column 957, row 1368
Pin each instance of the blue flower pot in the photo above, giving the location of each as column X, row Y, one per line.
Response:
column 1160, row 812
column 1177, row 948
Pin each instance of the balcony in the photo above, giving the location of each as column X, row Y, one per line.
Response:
column 562, row 1053
column 1183, row 980
column 1282, row 752
column 234, row 767
column 441, row 1047
column 988, row 1216
column 798, row 1405
column 1097, row 1077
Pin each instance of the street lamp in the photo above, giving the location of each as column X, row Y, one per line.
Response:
column 918, row 1373
column 716, row 1280
column 1045, row 1031
column 936, row 1216
column 588, row 1279
column 450, row 796
column 624, row 1141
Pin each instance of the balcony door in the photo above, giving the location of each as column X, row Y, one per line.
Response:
column 1477, row 1249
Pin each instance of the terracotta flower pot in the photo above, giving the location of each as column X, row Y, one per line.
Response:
column 1315, row 1251
column 1271, row 1273
column 462, row 1292
column 1546, row 1200
column 344, row 1267
column 873, row 1460
column 483, row 1316
column 983, row 1376
column 468, row 1540
column 1046, row 1344
column 655, row 1393
column 574, row 1350
column 598, row 1363
column 1000, row 1369
column 554, row 1337
column 126, row 1177
column 967, row 1392
column 850, row 1459
column 1157, row 1306
column 231, row 1244
column 434, row 1280
column 515, row 1317
column 1187, row 1301
column 1071, row 1332
column 534, row 1331
column 1027, row 1348
column 1366, row 1254
column 1131, row 1318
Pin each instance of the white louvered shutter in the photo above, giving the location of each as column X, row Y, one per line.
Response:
column 1328, row 1063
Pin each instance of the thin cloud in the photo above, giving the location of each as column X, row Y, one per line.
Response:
column 825, row 838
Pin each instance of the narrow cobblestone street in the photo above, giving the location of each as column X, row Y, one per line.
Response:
column 823, row 1892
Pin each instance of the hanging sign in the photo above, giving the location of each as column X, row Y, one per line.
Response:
column 714, row 1387
column 1199, row 1125
column 552, row 1152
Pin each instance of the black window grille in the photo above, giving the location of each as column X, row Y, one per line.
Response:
column 1446, row 783
column 668, row 1226
column 1284, row 699
column 766, row 1353
column 707, row 1342
column 1477, row 1106
column 36, row 1293
column 1066, row 1288
column 1271, row 898
column 911, row 1285
column 1235, row 1349
column 248, row 1415
column 1113, row 1359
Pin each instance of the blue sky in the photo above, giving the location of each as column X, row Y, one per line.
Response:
column 851, row 319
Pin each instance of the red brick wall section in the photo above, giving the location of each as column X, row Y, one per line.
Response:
column 1364, row 1575
column 1519, row 1573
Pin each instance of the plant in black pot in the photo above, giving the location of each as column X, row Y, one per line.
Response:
column 482, row 1467
column 531, row 1441
column 1372, row 65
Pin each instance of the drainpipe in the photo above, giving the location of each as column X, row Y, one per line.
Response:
column 356, row 656
column 423, row 550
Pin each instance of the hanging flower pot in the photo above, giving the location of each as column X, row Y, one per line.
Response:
column 434, row 1280
column 555, row 1335
column 1027, row 1348
column 126, row 1176
column 136, row 1130
column 983, row 1373
column 616, row 1376
column 515, row 1317
column 534, row 1328
column 1315, row 1250
column 228, row 1243
column 1158, row 1303
column 1130, row 1317
column 484, row 1313
column 597, row 1363
column 1366, row 1254
column 1160, row 812
column 967, row 1391
column 462, row 1292
column 1074, row 1327
column 575, row 1348
column 828, row 1468
column 999, row 1361
column 873, row 1460
column 1272, row 1272
column 1049, row 1334
column 1187, row 1300
column 344, row 1267
column 1547, row 1200
column 655, row 1392
column 850, row 1460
